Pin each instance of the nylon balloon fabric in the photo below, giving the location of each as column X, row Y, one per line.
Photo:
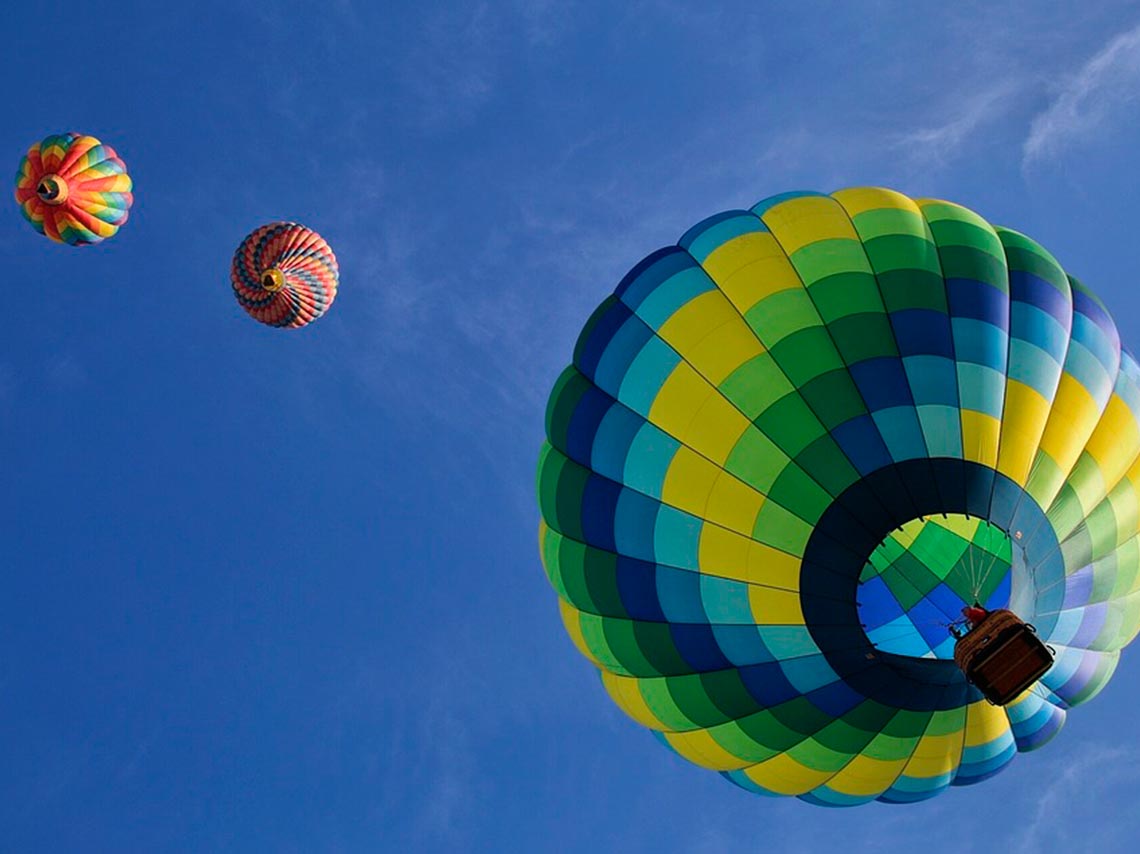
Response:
column 284, row 274
column 74, row 189
column 792, row 447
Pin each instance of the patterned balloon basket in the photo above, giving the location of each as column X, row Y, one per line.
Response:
column 284, row 275
column 74, row 189
column 789, row 451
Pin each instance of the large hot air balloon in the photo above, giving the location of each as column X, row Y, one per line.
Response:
column 284, row 274
column 790, row 450
column 74, row 189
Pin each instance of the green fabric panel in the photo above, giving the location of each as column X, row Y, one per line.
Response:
column 732, row 737
column 564, row 399
column 662, row 701
column 1022, row 253
column 781, row 314
column 593, row 631
column 727, row 691
column 842, row 737
column 817, row 261
column 889, row 222
column 834, row 398
column 812, row 754
column 756, row 460
column 917, row 256
column 797, row 492
column 781, row 529
column 846, row 293
column 690, row 694
column 756, row 385
column 864, row 336
column 802, row 716
column 806, row 354
column 561, row 484
column 765, row 729
column 599, row 567
column 1127, row 567
column 905, row 289
column 790, row 424
column 825, row 462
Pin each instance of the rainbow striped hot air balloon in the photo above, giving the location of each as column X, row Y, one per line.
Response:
column 284, row 274
column 74, row 189
column 791, row 448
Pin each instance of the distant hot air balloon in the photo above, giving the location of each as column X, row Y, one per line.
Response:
column 793, row 447
column 284, row 274
column 74, row 189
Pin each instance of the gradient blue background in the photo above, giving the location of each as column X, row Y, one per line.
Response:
column 280, row 591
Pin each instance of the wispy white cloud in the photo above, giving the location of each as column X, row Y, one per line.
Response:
column 938, row 144
column 1093, row 96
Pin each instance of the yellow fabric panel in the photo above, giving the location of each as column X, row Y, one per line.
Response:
column 1072, row 421
column 984, row 723
column 770, row 566
column 733, row 504
column 724, row 350
column 711, row 336
column 864, row 775
column 628, row 697
column 934, row 755
column 723, row 553
column 775, row 607
column 689, row 481
column 573, row 628
column 1023, row 421
column 749, row 268
column 692, row 411
column 786, row 776
column 980, row 437
column 1115, row 442
column 859, row 200
column 805, row 220
column 700, row 747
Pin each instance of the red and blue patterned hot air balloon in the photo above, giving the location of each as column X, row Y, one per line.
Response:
column 284, row 274
column 74, row 189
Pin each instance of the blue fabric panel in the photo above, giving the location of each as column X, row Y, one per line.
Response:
column 978, row 301
column 649, row 458
column 613, row 440
column 640, row 282
column 643, row 379
column 882, row 383
column 599, row 503
column 637, row 587
column 697, row 645
column 980, row 342
column 673, row 293
column 677, row 538
column 933, row 380
column 705, row 237
column 635, row 518
column 921, row 331
column 1031, row 290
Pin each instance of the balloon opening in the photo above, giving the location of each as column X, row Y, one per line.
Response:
column 920, row 576
column 273, row 280
column 52, row 190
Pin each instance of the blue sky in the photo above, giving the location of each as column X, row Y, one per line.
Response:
column 280, row 591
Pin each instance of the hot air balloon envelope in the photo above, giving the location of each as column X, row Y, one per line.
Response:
column 284, row 274
column 74, row 189
column 789, row 451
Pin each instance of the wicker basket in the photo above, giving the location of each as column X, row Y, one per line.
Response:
column 1002, row 656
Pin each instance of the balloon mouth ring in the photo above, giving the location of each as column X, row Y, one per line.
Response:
column 273, row 280
column 52, row 190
